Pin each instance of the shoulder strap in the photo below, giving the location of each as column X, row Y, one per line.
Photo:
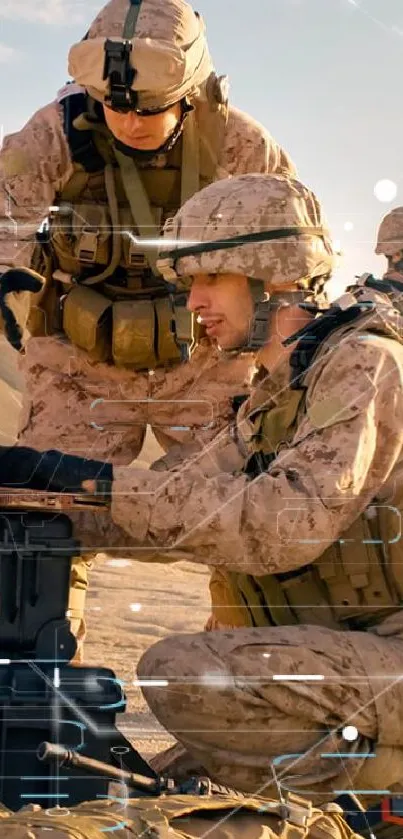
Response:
column 212, row 130
column 315, row 335
column 137, row 195
column 81, row 142
column 116, row 237
column 190, row 170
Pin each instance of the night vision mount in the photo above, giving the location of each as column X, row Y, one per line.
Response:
column 118, row 70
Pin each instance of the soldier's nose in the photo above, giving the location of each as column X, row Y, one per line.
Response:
column 132, row 121
column 198, row 298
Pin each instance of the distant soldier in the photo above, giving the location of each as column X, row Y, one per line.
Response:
column 390, row 242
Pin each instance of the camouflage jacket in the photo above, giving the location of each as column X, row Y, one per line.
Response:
column 36, row 164
column 208, row 510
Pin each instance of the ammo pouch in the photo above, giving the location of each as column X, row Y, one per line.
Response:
column 91, row 240
column 81, row 236
column 86, row 321
column 135, row 333
column 355, row 584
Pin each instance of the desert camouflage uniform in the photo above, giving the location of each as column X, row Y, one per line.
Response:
column 221, row 684
column 93, row 408
column 62, row 383
column 232, row 697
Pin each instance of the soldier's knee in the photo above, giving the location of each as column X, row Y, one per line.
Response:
column 157, row 661
column 169, row 658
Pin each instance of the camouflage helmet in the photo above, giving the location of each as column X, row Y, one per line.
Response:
column 152, row 52
column 390, row 233
column 268, row 227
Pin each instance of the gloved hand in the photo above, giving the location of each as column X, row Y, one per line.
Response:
column 25, row 468
column 16, row 287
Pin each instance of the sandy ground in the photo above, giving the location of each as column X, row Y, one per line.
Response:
column 130, row 604
column 131, row 607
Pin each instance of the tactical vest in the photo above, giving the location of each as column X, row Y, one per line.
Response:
column 358, row 580
column 183, row 817
column 103, row 289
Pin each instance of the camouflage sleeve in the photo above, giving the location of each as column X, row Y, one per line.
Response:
column 343, row 452
column 249, row 148
column 35, row 163
column 221, row 455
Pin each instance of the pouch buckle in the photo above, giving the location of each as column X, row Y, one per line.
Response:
column 137, row 259
column 87, row 247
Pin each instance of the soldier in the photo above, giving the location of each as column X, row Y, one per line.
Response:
column 390, row 242
column 144, row 126
column 297, row 507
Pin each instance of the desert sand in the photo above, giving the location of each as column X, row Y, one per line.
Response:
column 130, row 605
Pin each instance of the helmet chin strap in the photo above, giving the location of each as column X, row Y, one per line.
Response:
column 264, row 307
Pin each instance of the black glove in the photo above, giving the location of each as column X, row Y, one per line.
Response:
column 25, row 468
column 16, row 287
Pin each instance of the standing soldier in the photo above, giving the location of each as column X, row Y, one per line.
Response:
column 145, row 125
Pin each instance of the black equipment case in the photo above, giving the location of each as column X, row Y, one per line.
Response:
column 42, row 696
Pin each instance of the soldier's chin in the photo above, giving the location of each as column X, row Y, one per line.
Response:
column 227, row 343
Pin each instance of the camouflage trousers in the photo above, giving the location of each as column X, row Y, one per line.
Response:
column 97, row 410
column 309, row 709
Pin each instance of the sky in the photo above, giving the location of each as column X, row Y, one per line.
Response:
column 325, row 77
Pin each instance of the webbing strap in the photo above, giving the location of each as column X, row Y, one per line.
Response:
column 190, row 174
column 116, row 239
column 140, row 207
column 79, row 133
column 131, row 19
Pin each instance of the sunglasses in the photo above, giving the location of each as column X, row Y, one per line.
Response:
column 141, row 112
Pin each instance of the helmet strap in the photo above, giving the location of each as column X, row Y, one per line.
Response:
column 264, row 307
column 259, row 327
column 131, row 19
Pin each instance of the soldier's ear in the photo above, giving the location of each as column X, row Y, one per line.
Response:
column 396, row 257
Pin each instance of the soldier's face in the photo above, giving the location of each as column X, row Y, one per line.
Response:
column 143, row 133
column 224, row 305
